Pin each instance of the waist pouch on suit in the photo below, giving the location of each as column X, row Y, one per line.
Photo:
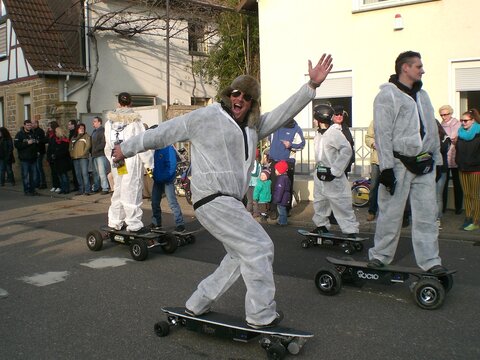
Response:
column 420, row 165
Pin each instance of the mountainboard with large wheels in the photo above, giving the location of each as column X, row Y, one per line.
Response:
column 428, row 290
column 276, row 340
column 349, row 245
column 139, row 243
column 183, row 237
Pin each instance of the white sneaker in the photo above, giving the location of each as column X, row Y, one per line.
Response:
column 57, row 190
column 52, row 189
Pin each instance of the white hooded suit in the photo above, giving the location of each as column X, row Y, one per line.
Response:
column 397, row 128
column 334, row 151
column 222, row 160
column 127, row 193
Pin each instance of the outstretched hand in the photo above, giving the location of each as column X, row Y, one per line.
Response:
column 319, row 73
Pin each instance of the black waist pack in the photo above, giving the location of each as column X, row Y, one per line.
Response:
column 420, row 165
column 324, row 173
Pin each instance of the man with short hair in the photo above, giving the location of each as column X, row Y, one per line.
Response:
column 100, row 162
column 224, row 139
column 406, row 137
column 26, row 145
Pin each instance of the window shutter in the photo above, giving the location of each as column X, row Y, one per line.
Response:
column 467, row 79
column 335, row 87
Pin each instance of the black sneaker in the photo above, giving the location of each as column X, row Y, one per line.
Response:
column 438, row 270
column 142, row 230
column 320, row 230
column 191, row 313
column 375, row 263
column 180, row 228
column 274, row 323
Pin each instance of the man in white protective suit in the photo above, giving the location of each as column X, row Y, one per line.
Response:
column 408, row 146
column 223, row 138
column 125, row 209
column 331, row 190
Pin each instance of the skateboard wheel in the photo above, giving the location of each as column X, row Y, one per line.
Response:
column 296, row 345
column 358, row 246
column 429, row 294
column 161, row 328
column 348, row 249
column 138, row 250
column 305, row 244
column 191, row 239
column 446, row 281
column 94, row 240
column 171, row 243
column 276, row 351
column 328, row 281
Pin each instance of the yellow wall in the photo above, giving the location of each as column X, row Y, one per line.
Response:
column 291, row 32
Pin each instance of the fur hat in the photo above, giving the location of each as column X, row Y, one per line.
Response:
column 281, row 167
column 248, row 85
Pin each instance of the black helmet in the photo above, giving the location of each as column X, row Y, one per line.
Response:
column 323, row 113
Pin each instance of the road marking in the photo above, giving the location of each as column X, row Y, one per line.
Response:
column 3, row 293
column 48, row 278
column 104, row 262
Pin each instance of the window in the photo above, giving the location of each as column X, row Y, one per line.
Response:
column 3, row 38
column 197, row 44
column 200, row 101
column 27, row 107
column 143, row 100
column 2, row 121
column 366, row 5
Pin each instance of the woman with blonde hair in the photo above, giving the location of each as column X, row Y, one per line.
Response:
column 61, row 159
column 468, row 161
column 451, row 126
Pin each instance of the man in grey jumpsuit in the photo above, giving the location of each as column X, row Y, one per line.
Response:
column 405, row 128
column 223, row 137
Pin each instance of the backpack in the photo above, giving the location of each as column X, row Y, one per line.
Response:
column 165, row 164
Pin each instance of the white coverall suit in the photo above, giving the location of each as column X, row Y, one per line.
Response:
column 334, row 151
column 219, row 165
column 397, row 128
column 127, row 193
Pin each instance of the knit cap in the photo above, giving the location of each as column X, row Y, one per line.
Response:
column 266, row 172
column 281, row 167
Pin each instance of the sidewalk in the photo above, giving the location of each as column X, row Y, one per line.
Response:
column 301, row 215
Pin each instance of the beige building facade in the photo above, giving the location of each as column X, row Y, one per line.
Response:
column 364, row 38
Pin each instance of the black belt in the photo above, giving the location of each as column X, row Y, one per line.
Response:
column 209, row 198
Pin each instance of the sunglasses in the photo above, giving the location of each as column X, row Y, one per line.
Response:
column 465, row 120
column 237, row 93
column 338, row 114
column 445, row 114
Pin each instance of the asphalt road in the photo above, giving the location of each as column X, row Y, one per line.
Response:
column 59, row 300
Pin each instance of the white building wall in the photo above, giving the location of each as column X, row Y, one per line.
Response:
column 366, row 43
column 138, row 65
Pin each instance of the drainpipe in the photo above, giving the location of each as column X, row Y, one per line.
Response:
column 87, row 29
column 65, row 88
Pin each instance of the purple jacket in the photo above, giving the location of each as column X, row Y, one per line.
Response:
column 281, row 191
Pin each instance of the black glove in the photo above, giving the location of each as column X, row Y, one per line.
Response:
column 387, row 178
column 324, row 173
column 439, row 173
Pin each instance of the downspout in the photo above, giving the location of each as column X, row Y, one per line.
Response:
column 87, row 29
column 65, row 88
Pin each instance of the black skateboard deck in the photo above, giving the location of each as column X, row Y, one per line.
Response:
column 429, row 290
column 183, row 237
column 138, row 243
column 277, row 340
column 349, row 245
